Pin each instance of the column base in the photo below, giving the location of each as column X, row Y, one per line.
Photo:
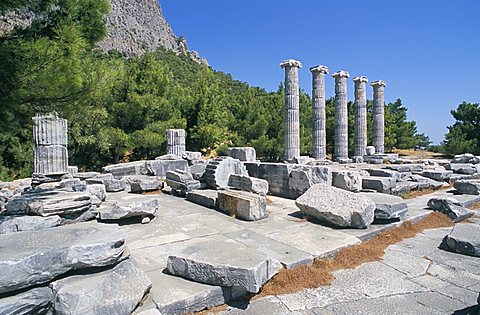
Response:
column 343, row 160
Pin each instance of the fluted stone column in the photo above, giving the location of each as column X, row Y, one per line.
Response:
column 292, row 109
column 318, row 105
column 341, row 115
column 378, row 127
column 50, row 144
column 176, row 141
column 360, row 115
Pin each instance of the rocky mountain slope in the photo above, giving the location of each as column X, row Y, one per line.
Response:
column 138, row 26
column 135, row 27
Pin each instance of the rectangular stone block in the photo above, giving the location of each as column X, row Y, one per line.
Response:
column 288, row 256
column 276, row 174
column 246, row 154
column 35, row 257
column 124, row 169
column 288, row 180
column 242, row 205
column 206, row 198
column 161, row 167
column 438, row 175
column 380, row 184
column 218, row 260
column 251, row 184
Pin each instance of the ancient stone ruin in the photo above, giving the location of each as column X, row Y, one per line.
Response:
column 183, row 233
column 50, row 145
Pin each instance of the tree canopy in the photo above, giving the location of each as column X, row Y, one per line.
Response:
column 119, row 109
column 464, row 135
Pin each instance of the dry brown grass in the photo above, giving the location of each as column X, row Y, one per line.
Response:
column 154, row 192
column 417, row 154
column 213, row 310
column 475, row 206
column 423, row 192
column 418, row 193
column 321, row 272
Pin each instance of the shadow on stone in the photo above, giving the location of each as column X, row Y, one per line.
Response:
column 472, row 310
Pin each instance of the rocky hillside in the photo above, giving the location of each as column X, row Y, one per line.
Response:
column 138, row 26
column 135, row 27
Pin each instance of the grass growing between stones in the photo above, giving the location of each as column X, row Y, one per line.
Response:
column 475, row 206
column 320, row 273
column 418, row 193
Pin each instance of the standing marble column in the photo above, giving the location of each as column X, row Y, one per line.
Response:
column 176, row 142
column 360, row 115
column 50, row 144
column 318, row 105
column 379, row 116
column 341, row 115
column 292, row 109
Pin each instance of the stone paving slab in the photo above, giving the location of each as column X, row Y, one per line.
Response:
column 398, row 305
column 219, row 260
column 165, row 230
column 180, row 223
column 455, row 276
column 268, row 305
column 410, row 265
column 288, row 256
column 456, row 261
column 175, row 295
column 315, row 239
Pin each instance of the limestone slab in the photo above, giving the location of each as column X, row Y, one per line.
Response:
column 127, row 208
column 182, row 182
column 206, row 198
column 464, row 239
column 34, row 301
column 144, row 183
column 288, row 256
column 161, row 167
column 380, row 184
column 222, row 261
column 347, row 180
column 411, row 266
column 438, row 175
column 115, row 291
column 451, row 207
column 317, row 240
column 245, row 154
column 387, row 206
column 337, row 206
column 469, row 187
column 251, row 184
column 242, row 205
column 175, row 295
column 164, row 230
column 71, row 247
column 49, row 203
column 378, row 172
column 401, row 304
column 12, row 224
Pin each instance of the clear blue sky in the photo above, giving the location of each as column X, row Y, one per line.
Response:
column 428, row 51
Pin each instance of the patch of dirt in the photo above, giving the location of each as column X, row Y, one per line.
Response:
column 423, row 192
column 475, row 206
column 154, row 192
column 417, row 154
column 321, row 272
column 214, row 310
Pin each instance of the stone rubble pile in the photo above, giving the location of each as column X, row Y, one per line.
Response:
column 64, row 263
column 57, row 270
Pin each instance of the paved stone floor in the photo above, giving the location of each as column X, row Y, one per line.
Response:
column 415, row 277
